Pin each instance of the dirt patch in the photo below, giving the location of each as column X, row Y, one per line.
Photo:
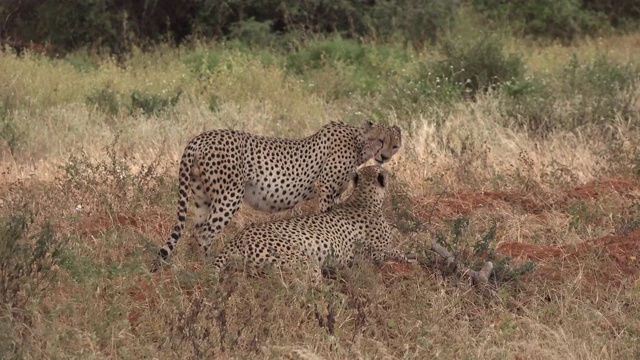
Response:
column 464, row 204
column 150, row 223
column 598, row 188
column 611, row 258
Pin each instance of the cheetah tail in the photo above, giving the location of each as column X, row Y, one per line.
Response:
column 186, row 163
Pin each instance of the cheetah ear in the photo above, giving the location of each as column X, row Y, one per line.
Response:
column 397, row 128
column 368, row 125
column 382, row 179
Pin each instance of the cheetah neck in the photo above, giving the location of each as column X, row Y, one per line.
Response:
column 362, row 200
column 361, row 145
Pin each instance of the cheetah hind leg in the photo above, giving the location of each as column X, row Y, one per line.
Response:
column 220, row 214
column 202, row 208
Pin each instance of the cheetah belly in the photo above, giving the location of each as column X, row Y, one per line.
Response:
column 277, row 194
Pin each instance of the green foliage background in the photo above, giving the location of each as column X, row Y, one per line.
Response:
column 116, row 25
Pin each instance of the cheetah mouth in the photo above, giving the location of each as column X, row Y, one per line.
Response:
column 380, row 162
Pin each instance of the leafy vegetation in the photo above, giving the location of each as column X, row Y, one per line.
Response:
column 118, row 26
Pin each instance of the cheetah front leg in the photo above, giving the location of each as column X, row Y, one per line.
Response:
column 382, row 251
column 328, row 190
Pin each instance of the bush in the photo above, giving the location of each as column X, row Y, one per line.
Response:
column 124, row 187
column 106, row 100
column 203, row 63
column 563, row 19
column 152, row 104
column 477, row 66
column 27, row 259
column 619, row 14
column 328, row 52
column 606, row 89
column 418, row 22
column 422, row 92
column 72, row 24
column 10, row 135
column 594, row 92
column 253, row 33
column 530, row 105
column 367, row 68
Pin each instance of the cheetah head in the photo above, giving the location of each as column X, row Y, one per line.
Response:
column 370, row 179
column 381, row 142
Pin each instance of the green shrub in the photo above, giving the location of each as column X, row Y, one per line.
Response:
column 82, row 61
column 106, row 100
column 418, row 22
column 328, row 52
column 619, row 14
column 253, row 33
column 472, row 249
column 152, row 104
column 553, row 19
column 10, row 135
column 605, row 89
column 114, row 25
column 124, row 187
column 366, row 68
column 529, row 104
column 27, row 259
column 203, row 63
column 581, row 93
column 477, row 66
column 422, row 92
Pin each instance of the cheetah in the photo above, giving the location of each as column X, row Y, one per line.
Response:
column 356, row 226
column 220, row 169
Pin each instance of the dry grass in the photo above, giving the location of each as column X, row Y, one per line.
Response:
column 553, row 199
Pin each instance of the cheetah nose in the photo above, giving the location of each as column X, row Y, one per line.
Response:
column 384, row 157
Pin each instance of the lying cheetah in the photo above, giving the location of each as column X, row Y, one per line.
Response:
column 221, row 168
column 355, row 226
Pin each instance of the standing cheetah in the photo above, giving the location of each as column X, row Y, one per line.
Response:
column 221, row 168
column 355, row 226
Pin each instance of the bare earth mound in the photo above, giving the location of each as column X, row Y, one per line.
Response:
column 612, row 258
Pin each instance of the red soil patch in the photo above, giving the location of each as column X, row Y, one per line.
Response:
column 611, row 258
column 392, row 270
column 463, row 204
column 617, row 256
column 149, row 223
column 598, row 188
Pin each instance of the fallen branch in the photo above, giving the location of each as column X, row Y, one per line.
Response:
column 479, row 279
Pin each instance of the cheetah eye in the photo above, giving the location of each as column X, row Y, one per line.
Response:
column 395, row 147
column 381, row 141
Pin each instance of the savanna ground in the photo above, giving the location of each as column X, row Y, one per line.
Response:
column 538, row 173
